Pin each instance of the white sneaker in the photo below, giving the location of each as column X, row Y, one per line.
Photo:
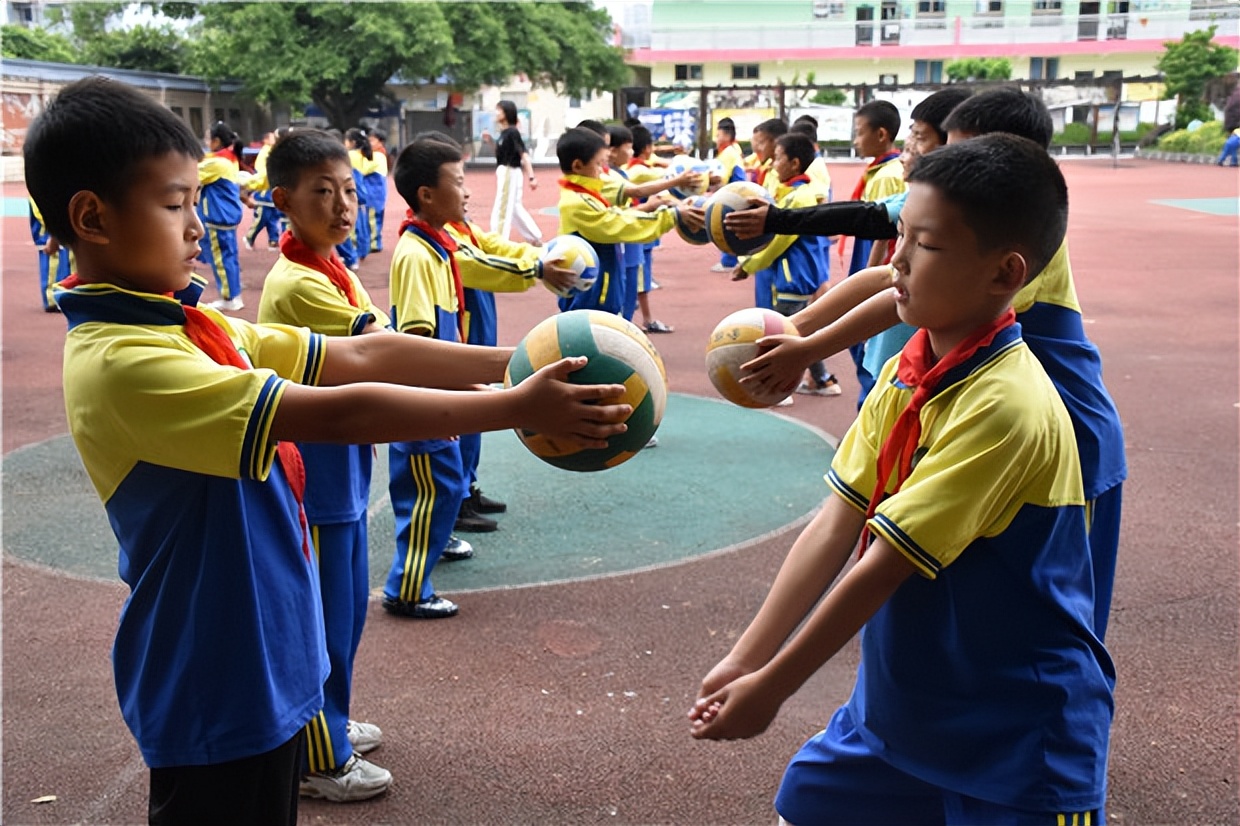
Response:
column 784, row 402
column 357, row 779
column 247, row 243
column 228, row 304
column 364, row 737
column 831, row 388
column 720, row 268
column 654, row 442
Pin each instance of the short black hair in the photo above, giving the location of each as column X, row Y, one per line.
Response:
column 641, row 139
column 436, row 135
column 1006, row 109
column 810, row 119
column 773, row 127
column 933, row 111
column 376, row 132
column 594, row 126
column 298, row 151
column 90, row 138
column 981, row 176
column 619, row 135
column 727, row 126
column 577, row 145
column 510, row 111
column 797, row 147
column 804, row 127
column 420, row 164
column 631, row 122
column 881, row 114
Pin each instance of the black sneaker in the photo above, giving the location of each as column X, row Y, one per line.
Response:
column 485, row 504
column 436, row 607
column 456, row 550
column 469, row 520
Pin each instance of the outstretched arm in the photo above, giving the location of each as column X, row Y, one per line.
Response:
column 416, row 361
column 860, row 219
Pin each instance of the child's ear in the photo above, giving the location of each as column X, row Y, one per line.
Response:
column 578, row 165
column 279, row 197
column 1013, row 273
column 87, row 216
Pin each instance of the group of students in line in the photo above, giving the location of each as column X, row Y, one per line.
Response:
column 233, row 460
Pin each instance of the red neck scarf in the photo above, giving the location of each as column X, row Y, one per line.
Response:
column 573, row 186
column 448, row 243
column 918, row 369
column 798, row 180
column 292, row 248
column 719, row 147
column 226, row 153
column 464, row 228
column 635, row 162
column 212, row 340
column 759, row 174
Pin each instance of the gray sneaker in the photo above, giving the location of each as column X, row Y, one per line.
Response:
column 357, row 779
column 363, row 737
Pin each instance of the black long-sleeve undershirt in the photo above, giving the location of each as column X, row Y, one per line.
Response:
column 868, row 220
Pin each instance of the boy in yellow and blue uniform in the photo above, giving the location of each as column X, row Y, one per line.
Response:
column 426, row 478
column 362, row 158
column 266, row 216
column 789, row 270
column 219, row 209
column 586, row 212
column 310, row 287
column 983, row 694
column 374, row 179
column 731, row 161
column 55, row 262
column 184, row 420
column 1047, row 309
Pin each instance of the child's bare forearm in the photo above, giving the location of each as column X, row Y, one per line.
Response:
column 867, row 319
column 813, row 563
column 841, row 298
column 412, row 360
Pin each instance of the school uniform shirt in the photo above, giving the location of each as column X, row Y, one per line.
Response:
column 258, row 184
column 360, row 166
column 982, row 674
column 374, row 179
column 790, row 267
column 424, row 300
column 606, row 227
column 219, row 650
column 731, row 163
column 820, row 176
column 219, row 200
column 488, row 264
column 337, row 476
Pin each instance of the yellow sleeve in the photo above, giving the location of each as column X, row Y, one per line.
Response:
column 886, row 182
column 378, row 165
column 413, row 290
column 496, row 264
column 212, row 169
column 614, row 188
column 612, row 225
column 302, row 297
column 258, row 181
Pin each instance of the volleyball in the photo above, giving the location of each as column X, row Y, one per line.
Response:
column 678, row 165
column 618, row 353
column 732, row 198
column 697, row 238
column 574, row 253
column 732, row 343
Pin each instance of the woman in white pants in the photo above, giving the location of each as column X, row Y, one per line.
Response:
column 512, row 164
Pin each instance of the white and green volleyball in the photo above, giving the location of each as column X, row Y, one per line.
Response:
column 618, row 353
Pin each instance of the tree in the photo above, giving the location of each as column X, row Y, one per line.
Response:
column 36, row 44
column 343, row 55
column 1188, row 65
column 979, row 68
column 146, row 48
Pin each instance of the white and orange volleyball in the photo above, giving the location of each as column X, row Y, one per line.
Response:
column 732, row 343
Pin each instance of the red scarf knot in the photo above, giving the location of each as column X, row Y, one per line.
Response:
column 292, row 248
column 449, row 245
column 573, row 186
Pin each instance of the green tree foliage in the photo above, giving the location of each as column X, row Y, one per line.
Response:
column 830, row 97
column 36, row 44
column 147, row 48
column 342, row 55
column 1188, row 65
column 979, row 68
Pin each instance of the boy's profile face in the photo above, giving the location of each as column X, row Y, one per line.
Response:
column 148, row 240
column 943, row 281
column 868, row 141
column 448, row 199
column 322, row 205
column 786, row 168
column 762, row 144
column 594, row 168
column 622, row 154
column 921, row 139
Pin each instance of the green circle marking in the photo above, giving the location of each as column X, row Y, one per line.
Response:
column 721, row 476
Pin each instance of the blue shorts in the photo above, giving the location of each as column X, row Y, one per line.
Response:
column 836, row 779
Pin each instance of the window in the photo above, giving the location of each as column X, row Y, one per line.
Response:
column 828, row 9
column 744, row 71
column 1047, row 6
column 927, row 71
column 688, row 71
column 219, row 116
column 195, row 121
column 990, row 6
column 1212, row 9
column 1087, row 74
column 1043, row 68
column 179, row 112
column 234, row 118
column 931, row 6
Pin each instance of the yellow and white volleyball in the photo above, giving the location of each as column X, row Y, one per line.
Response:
column 619, row 353
column 572, row 252
column 679, row 165
column 699, row 237
column 733, row 198
column 244, row 177
column 733, row 343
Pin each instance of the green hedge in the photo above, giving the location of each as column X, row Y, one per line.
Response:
column 1077, row 134
column 1206, row 140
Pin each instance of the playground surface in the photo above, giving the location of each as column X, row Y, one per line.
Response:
column 560, row 693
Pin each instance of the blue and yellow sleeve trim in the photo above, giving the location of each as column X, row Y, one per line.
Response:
column 259, row 449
